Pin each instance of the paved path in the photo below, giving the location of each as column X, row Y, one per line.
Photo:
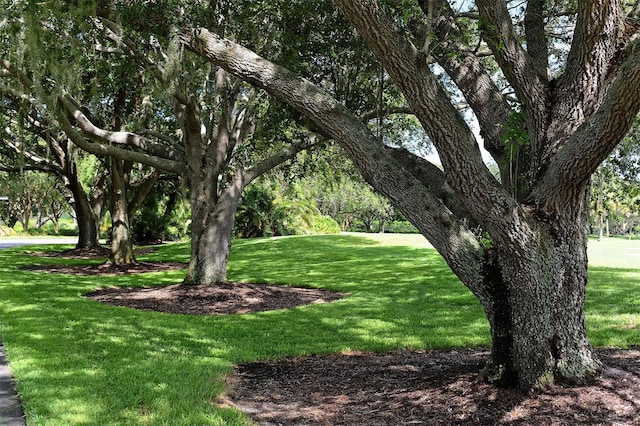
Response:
column 7, row 242
column 11, row 413
column 10, row 410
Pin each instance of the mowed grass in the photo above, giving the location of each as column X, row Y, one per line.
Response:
column 613, row 292
column 79, row 362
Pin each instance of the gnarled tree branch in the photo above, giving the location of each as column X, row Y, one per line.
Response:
column 103, row 149
column 119, row 138
column 596, row 138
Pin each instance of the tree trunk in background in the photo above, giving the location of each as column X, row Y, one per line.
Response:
column 215, row 190
column 98, row 198
column 211, row 231
column 121, row 237
column 87, row 224
column 25, row 218
column 600, row 226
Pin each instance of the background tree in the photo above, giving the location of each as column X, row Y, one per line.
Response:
column 603, row 196
column 531, row 278
column 12, row 208
column 336, row 188
column 32, row 195
column 355, row 205
column 54, row 206
column 31, row 141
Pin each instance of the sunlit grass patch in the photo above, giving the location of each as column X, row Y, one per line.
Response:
column 613, row 307
column 620, row 253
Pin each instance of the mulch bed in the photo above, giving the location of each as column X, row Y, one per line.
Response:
column 230, row 298
column 103, row 269
column 107, row 269
column 395, row 388
column 424, row 388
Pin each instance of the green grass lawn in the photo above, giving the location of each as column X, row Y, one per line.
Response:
column 79, row 362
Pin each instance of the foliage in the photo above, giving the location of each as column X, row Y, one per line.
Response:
column 325, row 225
column 352, row 203
column 164, row 214
column 400, row 227
column 81, row 362
column 625, row 159
column 255, row 215
column 269, row 209
column 330, row 179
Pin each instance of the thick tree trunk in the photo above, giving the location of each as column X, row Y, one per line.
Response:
column 211, row 231
column 536, row 310
column 121, row 238
column 538, row 330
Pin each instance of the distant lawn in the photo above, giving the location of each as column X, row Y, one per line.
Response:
column 615, row 252
column 81, row 362
column 613, row 293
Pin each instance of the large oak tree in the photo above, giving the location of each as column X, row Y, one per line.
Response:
column 518, row 242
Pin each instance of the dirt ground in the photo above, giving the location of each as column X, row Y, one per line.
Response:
column 395, row 388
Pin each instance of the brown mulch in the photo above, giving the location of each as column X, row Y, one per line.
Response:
column 424, row 388
column 83, row 253
column 87, row 253
column 103, row 269
column 395, row 388
column 107, row 269
column 229, row 298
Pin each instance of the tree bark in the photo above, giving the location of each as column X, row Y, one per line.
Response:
column 25, row 218
column 121, row 237
column 211, row 232
column 537, row 307
column 87, row 223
